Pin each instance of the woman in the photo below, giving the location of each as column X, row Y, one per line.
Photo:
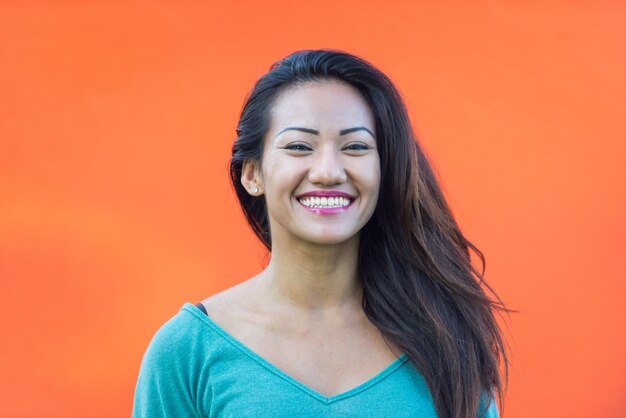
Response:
column 369, row 305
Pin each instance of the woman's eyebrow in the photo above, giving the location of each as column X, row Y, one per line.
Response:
column 295, row 128
column 314, row 132
column 358, row 128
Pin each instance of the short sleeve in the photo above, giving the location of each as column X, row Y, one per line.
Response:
column 492, row 409
column 164, row 386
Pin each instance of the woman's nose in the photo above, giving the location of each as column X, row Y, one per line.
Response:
column 327, row 168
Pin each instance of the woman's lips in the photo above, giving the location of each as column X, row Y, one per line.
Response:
column 325, row 193
column 323, row 205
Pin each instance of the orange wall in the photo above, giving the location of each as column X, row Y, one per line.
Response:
column 115, row 209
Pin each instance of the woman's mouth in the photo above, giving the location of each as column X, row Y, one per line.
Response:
column 325, row 202
column 326, row 205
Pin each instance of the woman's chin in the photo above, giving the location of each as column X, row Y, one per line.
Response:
column 330, row 239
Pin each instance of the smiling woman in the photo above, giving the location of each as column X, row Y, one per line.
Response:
column 370, row 305
column 302, row 167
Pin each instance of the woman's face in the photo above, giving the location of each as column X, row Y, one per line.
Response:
column 320, row 170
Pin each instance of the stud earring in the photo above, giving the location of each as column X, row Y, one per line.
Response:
column 255, row 189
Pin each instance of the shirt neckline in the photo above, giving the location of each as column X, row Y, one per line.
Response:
column 396, row 364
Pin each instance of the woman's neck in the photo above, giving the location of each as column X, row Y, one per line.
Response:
column 314, row 278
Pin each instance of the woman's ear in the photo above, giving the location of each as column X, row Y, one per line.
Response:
column 251, row 178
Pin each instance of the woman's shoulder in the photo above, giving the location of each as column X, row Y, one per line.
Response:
column 193, row 329
column 234, row 306
column 180, row 333
column 170, row 377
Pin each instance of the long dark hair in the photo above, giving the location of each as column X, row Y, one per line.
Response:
column 420, row 288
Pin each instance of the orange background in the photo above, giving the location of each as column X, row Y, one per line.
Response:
column 116, row 122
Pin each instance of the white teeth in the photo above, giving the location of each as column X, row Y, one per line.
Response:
column 325, row 202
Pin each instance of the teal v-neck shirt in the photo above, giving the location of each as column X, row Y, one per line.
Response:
column 194, row 368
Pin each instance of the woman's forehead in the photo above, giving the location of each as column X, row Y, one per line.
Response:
column 321, row 104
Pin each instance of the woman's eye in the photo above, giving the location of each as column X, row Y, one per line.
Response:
column 357, row 147
column 298, row 147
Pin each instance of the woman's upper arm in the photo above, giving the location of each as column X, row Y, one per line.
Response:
column 165, row 387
